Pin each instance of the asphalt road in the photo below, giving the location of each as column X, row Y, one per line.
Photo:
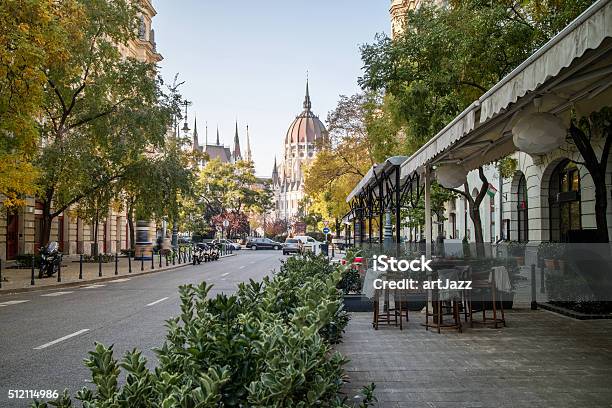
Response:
column 45, row 335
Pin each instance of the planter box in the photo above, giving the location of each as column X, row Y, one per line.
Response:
column 357, row 303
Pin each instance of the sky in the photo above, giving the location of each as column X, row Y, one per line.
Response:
column 247, row 60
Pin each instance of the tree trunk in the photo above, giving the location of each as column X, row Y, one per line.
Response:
column 47, row 218
column 474, row 209
column 597, row 169
column 130, row 221
column 601, row 206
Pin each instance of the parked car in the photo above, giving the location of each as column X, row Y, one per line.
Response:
column 263, row 243
column 292, row 246
column 309, row 244
column 235, row 246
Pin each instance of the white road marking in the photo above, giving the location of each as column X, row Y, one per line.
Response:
column 12, row 302
column 120, row 280
column 55, row 294
column 157, row 301
column 93, row 286
column 252, row 262
column 242, row 267
column 61, row 339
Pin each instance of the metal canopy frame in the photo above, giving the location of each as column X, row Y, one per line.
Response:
column 385, row 191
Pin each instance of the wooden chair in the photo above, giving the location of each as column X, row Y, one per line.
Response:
column 444, row 304
column 484, row 285
column 389, row 314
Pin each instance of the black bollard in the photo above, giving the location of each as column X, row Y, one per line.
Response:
column 116, row 264
column 160, row 257
column 534, row 303
column 81, row 266
column 178, row 255
column 32, row 278
column 59, row 272
column 141, row 261
column 99, row 265
column 542, row 288
column 130, row 261
column 190, row 256
column 152, row 260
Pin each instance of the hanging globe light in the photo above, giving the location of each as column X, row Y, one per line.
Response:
column 539, row 133
column 451, row 175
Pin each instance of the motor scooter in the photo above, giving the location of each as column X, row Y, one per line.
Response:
column 50, row 260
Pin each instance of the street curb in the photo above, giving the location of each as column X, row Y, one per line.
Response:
column 95, row 280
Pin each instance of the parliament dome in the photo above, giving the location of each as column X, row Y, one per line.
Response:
column 306, row 128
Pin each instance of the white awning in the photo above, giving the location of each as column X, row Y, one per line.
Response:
column 454, row 131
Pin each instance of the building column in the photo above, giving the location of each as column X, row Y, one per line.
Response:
column 428, row 231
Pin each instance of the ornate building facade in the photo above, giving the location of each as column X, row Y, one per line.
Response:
column 302, row 143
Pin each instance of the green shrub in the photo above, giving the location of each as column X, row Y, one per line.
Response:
column 269, row 345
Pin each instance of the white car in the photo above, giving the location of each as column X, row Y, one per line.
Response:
column 309, row 244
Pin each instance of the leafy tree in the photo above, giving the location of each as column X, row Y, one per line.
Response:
column 276, row 228
column 224, row 186
column 100, row 110
column 33, row 35
column 415, row 216
column 238, row 223
column 449, row 56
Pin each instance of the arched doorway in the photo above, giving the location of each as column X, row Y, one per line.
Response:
column 564, row 201
column 521, row 210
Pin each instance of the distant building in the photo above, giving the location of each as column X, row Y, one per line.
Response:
column 219, row 151
column 399, row 10
column 302, row 142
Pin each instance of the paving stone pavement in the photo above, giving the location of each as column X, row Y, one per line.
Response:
column 540, row 360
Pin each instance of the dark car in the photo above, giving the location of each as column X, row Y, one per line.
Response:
column 263, row 243
column 292, row 246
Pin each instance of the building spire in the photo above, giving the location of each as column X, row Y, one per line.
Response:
column 275, row 173
column 307, row 103
column 249, row 156
column 206, row 133
column 195, row 133
column 218, row 136
column 237, row 154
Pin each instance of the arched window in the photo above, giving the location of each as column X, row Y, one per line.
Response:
column 564, row 201
column 521, row 209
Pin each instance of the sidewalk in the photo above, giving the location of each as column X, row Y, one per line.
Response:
column 19, row 280
column 540, row 359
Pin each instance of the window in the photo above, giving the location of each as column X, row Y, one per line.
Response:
column 564, row 201
column 521, row 208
